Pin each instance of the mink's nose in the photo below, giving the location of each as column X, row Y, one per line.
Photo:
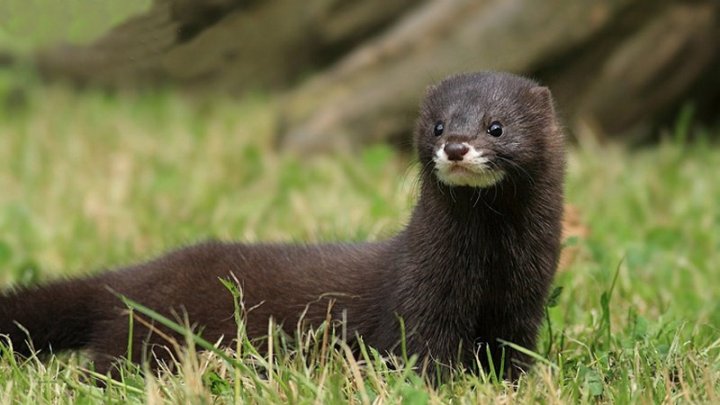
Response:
column 456, row 151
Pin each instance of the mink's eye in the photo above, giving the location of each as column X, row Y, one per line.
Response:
column 439, row 128
column 495, row 129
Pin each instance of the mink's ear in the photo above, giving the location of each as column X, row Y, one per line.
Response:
column 542, row 100
column 430, row 89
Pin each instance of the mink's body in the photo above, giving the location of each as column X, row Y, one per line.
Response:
column 472, row 267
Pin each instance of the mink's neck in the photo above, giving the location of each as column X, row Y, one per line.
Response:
column 471, row 221
column 465, row 241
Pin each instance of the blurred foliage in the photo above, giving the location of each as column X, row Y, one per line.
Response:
column 28, row 24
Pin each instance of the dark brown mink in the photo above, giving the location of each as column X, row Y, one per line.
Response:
column 471, row 269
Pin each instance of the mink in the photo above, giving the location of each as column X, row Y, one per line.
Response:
column 470, row 271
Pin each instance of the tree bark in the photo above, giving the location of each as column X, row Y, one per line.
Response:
column 225, row 45
column 615, row 66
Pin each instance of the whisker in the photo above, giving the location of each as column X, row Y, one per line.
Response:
column 488, row 206
column 494, row 170
column 479, row 192
column 414, row 186
column 427, row 171
column 512, row 180
column 520, row 168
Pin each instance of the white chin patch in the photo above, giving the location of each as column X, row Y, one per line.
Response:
column 472, row 171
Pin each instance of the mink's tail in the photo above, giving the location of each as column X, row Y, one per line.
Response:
column 53, row 317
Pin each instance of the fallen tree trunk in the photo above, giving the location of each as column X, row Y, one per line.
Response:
column 225, row 45
column 615, row 67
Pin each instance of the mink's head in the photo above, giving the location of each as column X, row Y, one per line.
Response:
column 477, row 130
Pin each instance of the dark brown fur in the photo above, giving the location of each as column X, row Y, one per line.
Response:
column 472, row 266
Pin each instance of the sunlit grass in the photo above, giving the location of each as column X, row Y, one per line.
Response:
column 94, row 180
column 141, row 174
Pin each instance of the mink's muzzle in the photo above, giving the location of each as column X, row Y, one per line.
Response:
column 455, row 151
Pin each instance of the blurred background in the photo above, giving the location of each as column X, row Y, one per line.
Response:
column 123, row 120
column 128, row 128
column 351, row 72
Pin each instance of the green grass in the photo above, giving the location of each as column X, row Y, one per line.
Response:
column 90, row 181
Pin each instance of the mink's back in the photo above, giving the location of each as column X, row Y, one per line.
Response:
column 278, row 281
